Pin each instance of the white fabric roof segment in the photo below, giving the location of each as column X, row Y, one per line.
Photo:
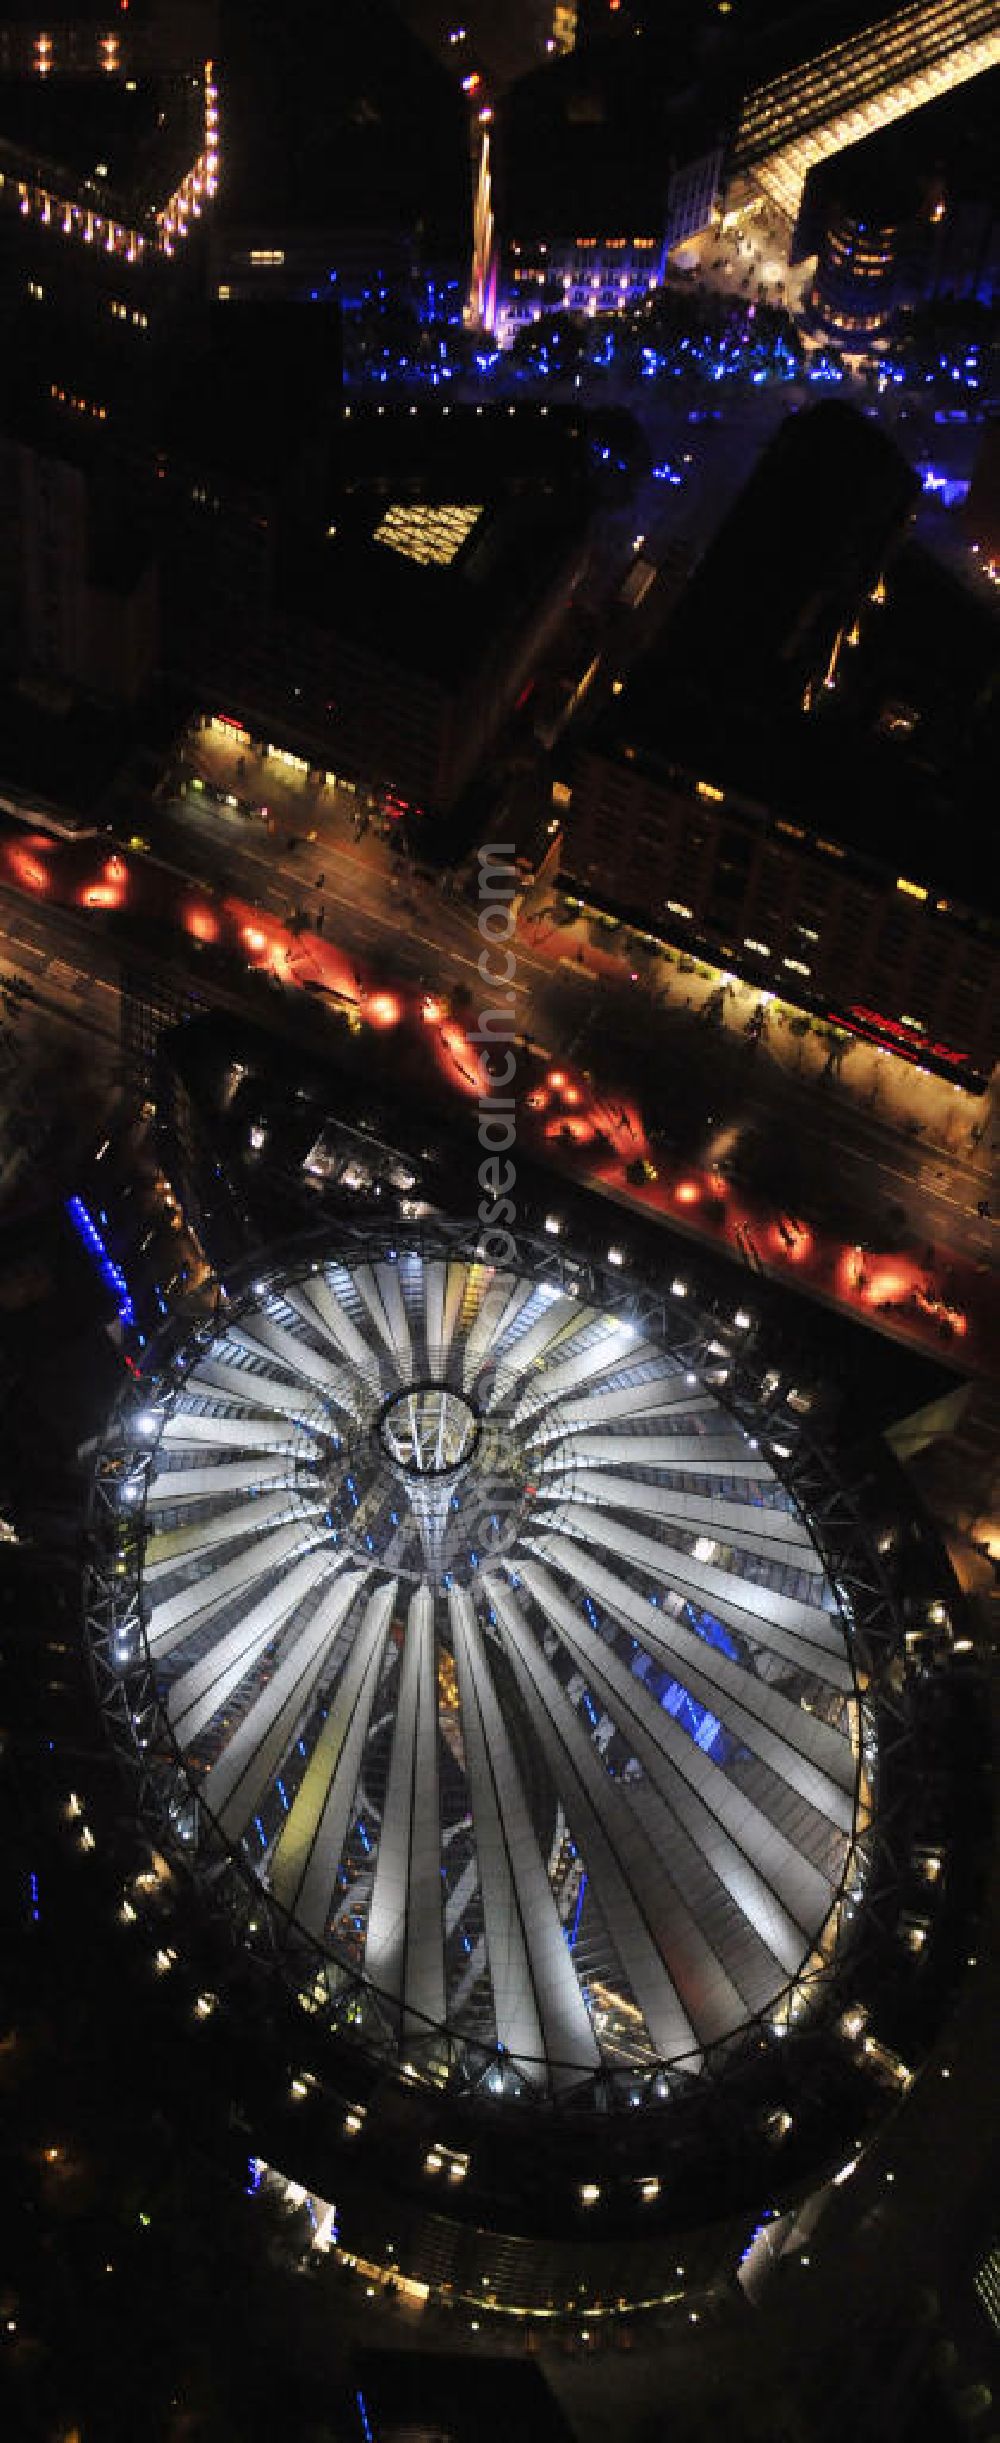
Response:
column 182, row 1485
column 341, row 1327
column 697, row 1933
column 605, row 1354
column 782, row 1896
column 404, row 1949
column 183, row 1431
column 661, row 1392
column 305, row 1863
column 541, row 2015
column 236, row 1783
column 623, row 1868
column 817, row 1760
column 435, row 1280
column 172, row 1620
column 497, row 1313
column 203, row 1689
column 250, row 1389
column 821, row 1638
column 264, row 1336
column 773, row 1534
column 167, row 1547
column 369, row 1289
column 456, row 1291
column 526, row 1351
column 388, row 1283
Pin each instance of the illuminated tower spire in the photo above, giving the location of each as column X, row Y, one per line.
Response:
column 481, row 309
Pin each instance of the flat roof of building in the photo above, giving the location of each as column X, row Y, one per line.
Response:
column 443, row 616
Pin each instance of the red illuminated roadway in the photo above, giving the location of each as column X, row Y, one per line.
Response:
column 592, row 1129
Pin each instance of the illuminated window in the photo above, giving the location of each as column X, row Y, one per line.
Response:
column 912, row 890
column 706, row 789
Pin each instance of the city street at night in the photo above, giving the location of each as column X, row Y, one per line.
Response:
column 912, row 1249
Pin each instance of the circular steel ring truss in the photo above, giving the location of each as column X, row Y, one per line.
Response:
column 504, row 1751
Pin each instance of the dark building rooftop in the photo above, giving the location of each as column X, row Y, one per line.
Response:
column 587, row 144
column 334, row 118
column 449, row 529
column 238, row 392
column 58, row 752
column 117, row 139
column 803, row 542
column 894, row 759
column 253, row 384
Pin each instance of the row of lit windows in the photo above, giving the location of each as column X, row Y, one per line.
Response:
column 81, row 406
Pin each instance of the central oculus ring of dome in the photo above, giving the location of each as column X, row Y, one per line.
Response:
column 429, row 1430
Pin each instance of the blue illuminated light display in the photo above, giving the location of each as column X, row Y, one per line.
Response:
column 712, row 1631
column 111, row 1273
column 701, row 1725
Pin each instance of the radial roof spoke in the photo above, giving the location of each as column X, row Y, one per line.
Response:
column 232, row 1476
column 203, row 1689
column 540, row 2010
column 197, row 1603
column 404, row 1949
column 807, row 1622
column 167, row 1548
column 775, row 1888
column 772, row 1534
column 317, row 1298
column 614, row 1348
column 622, row 1865
column 658, row 1394
column 499, row 1311
column 557, row 1315
column 251, row 1389
column 264, row 1335
column 235, row 1785
column 815, row 1759
column 305, row 1864
column 184, row 1431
